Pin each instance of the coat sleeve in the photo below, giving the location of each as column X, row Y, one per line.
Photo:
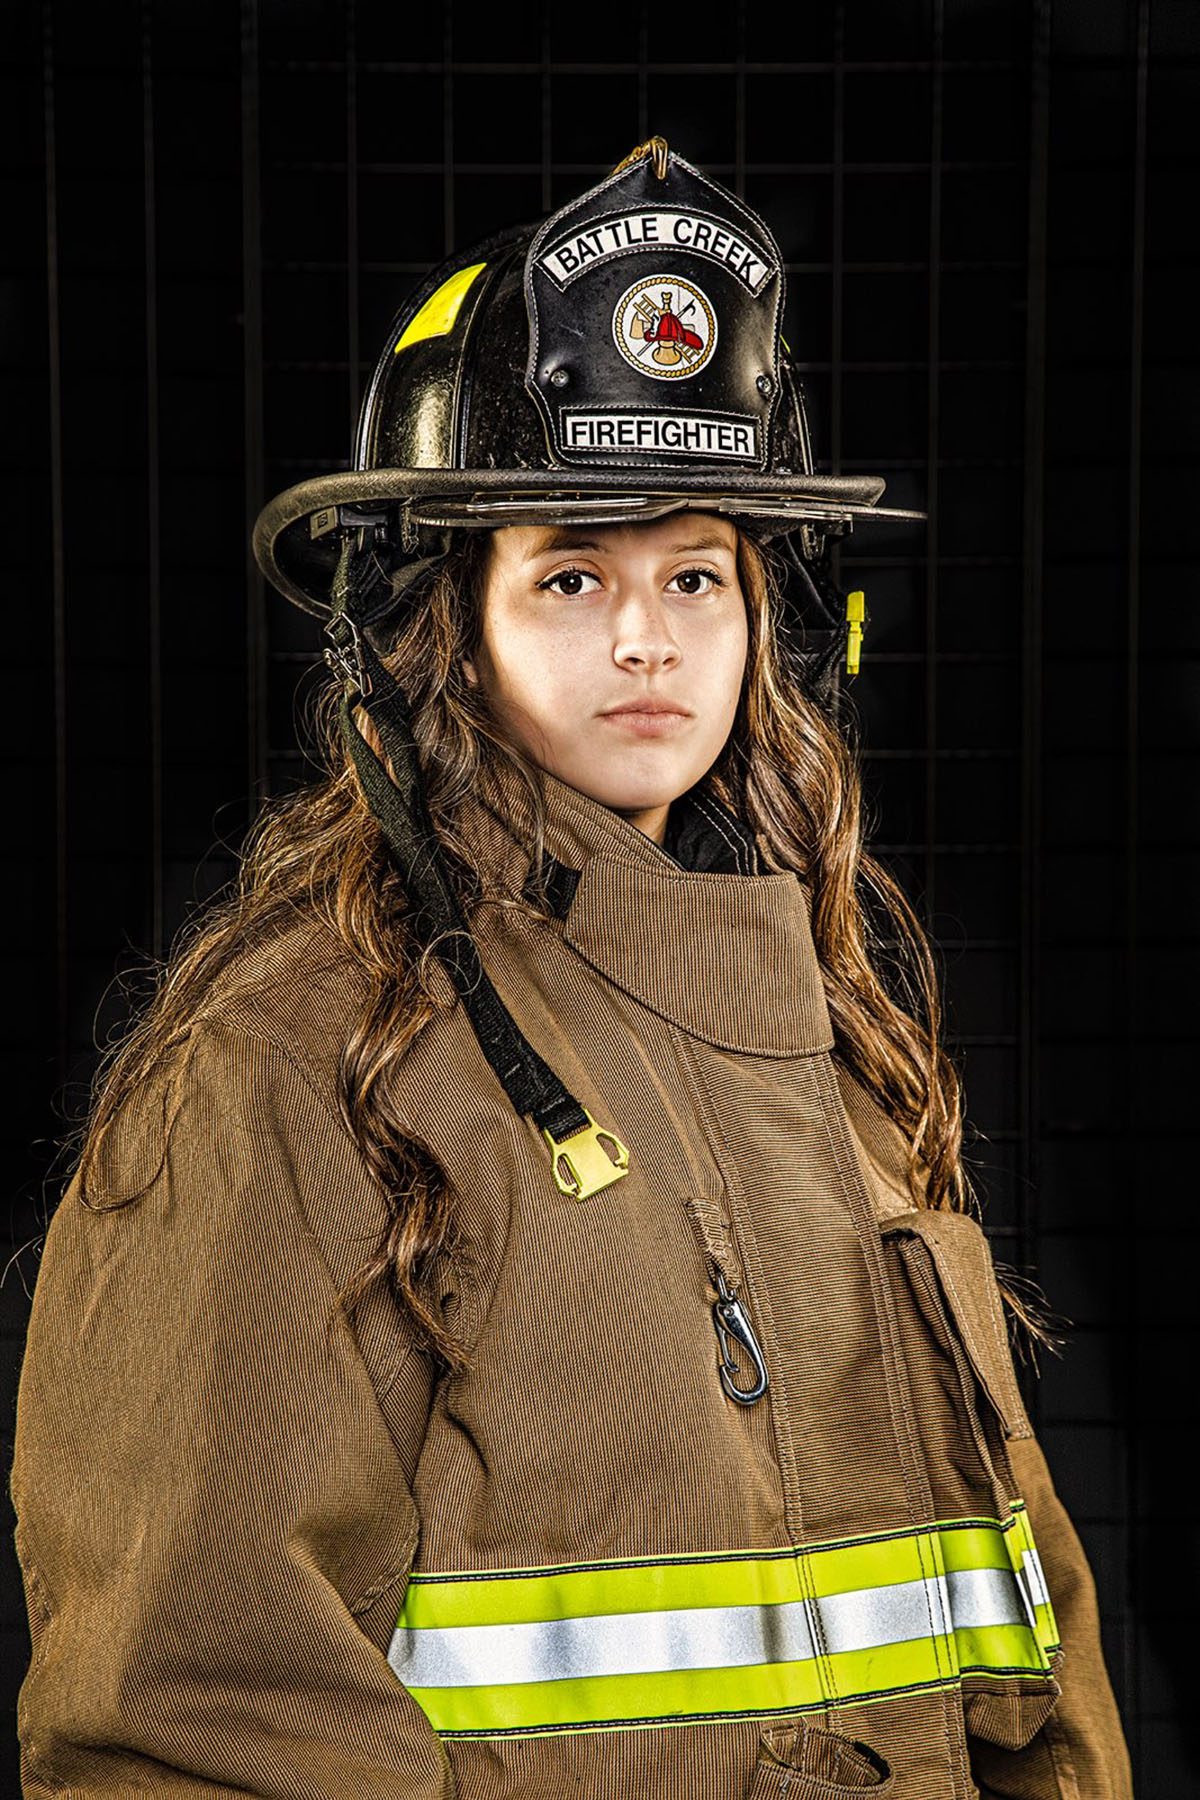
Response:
column 215, row 1512
column 1080, row 1753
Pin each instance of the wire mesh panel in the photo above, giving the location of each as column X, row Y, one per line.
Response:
column 220, row 210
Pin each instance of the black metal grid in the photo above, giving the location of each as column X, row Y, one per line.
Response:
column 219, row 210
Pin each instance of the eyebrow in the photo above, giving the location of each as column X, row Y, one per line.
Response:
column 558, row 539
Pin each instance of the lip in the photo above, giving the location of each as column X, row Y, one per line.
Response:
column 661, row 724
column 645, row 707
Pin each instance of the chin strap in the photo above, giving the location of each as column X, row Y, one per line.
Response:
column 584, row 1156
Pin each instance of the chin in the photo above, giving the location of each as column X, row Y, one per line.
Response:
column 627, row 797
column 640, row 779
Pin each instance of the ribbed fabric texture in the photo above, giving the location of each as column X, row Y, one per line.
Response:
column 220, row 1501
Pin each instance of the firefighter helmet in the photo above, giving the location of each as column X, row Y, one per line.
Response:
column 619, row 360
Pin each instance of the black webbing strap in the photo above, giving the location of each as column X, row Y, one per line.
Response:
column 823, row 648
column 403, row 814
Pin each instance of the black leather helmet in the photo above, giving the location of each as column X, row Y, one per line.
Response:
column 618, row 361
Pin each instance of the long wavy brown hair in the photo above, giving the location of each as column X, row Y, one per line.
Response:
column 789, row 769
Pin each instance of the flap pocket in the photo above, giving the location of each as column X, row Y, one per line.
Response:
column 1010, row 1713
column 966, row 1407
column 805, row 1762
column 960, row 1254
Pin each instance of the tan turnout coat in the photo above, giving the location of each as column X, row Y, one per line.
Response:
column 223, row 1506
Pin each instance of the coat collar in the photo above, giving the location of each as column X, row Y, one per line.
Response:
column 705, row 930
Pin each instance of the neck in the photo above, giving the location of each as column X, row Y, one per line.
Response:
column 652, row 819
column 494, row 820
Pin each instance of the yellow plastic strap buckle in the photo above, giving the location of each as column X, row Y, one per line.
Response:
column 856, row 612
column 588, row 1160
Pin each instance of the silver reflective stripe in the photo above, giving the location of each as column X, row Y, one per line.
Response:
column 1031, row 1585
column 703, row 1637
column 638, row 1643
column 984, row 1597
column 870, row 1617
column 1035, row 1576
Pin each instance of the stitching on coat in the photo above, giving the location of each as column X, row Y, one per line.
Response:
column 1022, row 1427
column 736, row 844
column 889, row 1337
column 956, row 1741
column 718, row 824
column 39, row 1593
column 356, row 1349
column 400, row 1570
column 969, row 1382
column 222, row 1020
column 467, row 1294
column 727, row 1170
column 965, row 1313
column 1059, row 1745
column 781, row 1419
column 305, row 1076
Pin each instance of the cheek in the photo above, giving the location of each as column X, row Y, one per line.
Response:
column 532, row 662
column 723, row 654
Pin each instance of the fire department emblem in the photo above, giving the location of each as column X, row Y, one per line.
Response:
column 665, row 327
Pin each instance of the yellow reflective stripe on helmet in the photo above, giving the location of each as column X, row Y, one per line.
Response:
column 619, row 1643
column 439, row 312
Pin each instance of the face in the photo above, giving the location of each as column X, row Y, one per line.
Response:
column 582, row 620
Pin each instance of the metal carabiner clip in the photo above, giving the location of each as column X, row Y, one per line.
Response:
column 729, row 1320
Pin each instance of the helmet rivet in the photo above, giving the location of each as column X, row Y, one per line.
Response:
column 559, row 378
column 765, row 385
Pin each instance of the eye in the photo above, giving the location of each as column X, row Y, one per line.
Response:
column 689, row 581
column 568, row 583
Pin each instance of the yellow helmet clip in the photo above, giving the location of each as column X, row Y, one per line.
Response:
column 856, row 612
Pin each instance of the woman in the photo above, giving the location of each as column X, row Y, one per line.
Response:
column 517, row 1327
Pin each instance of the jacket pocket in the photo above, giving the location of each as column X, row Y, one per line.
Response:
column 968, row 1406
column 959, row 1361
column 804, row 1762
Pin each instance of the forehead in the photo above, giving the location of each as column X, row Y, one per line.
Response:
column 677, row 533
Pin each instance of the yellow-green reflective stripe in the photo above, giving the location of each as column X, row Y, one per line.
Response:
column 839, row 1625
column 1027, row 1567
column 1000, row 1650
column 579, row 1593
column 691, row 1693
column 759, row 1578
column 640, row 1639
column 439, row 312
column 675, row 1693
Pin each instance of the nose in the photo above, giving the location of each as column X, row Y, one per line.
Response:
column 643, row 638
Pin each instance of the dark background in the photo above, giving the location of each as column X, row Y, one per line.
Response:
column 988, row 213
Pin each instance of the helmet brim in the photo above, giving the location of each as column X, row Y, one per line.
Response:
column 296, row 537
